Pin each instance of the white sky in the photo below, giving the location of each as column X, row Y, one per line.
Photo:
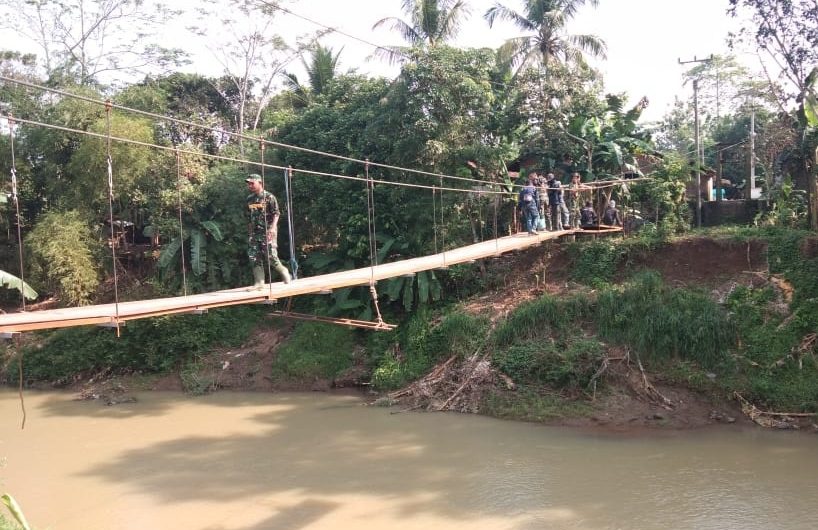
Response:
column 645, row 38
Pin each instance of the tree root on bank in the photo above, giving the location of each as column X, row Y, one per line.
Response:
column 450, row 385
column 771, row 420
column 650, row 391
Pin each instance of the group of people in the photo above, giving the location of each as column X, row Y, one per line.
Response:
column 545, row 205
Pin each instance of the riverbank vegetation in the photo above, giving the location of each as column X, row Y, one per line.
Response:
column 143, row 196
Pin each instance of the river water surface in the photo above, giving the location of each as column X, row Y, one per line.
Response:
column 232, row 461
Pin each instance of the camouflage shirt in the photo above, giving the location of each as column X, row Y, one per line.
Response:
column 260, row 206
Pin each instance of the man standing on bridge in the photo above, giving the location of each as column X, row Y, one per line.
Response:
column 263, row 231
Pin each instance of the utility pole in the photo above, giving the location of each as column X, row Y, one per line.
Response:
column 699, row 153
column 752, row 151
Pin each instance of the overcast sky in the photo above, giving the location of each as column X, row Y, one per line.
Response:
column 645, row 38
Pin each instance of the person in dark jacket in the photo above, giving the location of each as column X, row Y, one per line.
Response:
column 528, row 203
column 559, row 212
column 587, row 216
column 611, row 216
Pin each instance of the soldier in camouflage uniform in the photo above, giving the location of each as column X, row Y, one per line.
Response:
column 263, row 231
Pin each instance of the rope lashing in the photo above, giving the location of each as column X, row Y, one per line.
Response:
column 374, row 294
column 181, row 226
column 288, row 190
column 15, row 197
column 108, row 107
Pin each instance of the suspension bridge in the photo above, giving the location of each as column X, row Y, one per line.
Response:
column 118, row 313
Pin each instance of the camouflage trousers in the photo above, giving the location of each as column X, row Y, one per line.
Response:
column 256, row 249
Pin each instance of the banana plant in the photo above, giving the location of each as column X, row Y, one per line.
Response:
column 197, row 241
column 13, row 282
column 16, row 511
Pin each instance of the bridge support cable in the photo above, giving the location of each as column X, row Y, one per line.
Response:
column 496, row 235
column 181, row 226
column 288, row 192
column 15, row 197
column 267, row 242
column 111, row 209
column 370, row 215
column 434, row 215
column 442, row 226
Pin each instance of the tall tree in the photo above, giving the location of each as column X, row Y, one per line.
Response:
column 431, row 22
column 321, row 69
column 548, row 40
column 89, row 40
column 787, row 30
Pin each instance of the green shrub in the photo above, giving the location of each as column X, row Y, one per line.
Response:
column 63, row 254
column 421, row 345
column 541, row 318
column 568, row 364
column 154, row 345
column 663, row 322
column 315, row 350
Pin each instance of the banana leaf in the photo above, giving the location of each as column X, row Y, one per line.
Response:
column 213, row 229
column 409, row 294
column 393, row 288
column 423, row 287
column 13, row 282
column 169, row 252
column 15, row 510
column 198, row 251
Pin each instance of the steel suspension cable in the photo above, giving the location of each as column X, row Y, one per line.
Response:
column 111, row 211
column 267, row 241
column 246, row 161
column 244, row 136
column 181, row 226
column 288, row 191
column 15, row 197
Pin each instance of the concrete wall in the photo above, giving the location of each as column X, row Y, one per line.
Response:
column 741, row 212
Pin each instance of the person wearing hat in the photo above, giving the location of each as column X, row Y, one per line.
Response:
column 263, row 231
column 611, row 216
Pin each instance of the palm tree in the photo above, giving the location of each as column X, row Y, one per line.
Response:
column 431, row 22
column 548, row 41
column 321, row 70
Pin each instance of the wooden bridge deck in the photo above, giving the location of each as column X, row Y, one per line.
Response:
column 108, row 314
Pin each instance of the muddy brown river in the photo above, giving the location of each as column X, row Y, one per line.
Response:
column 233, row 461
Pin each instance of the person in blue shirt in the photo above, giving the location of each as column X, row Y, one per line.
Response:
column 529, row 205
column 559, row 211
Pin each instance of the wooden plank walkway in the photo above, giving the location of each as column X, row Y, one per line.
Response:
column 110, row 314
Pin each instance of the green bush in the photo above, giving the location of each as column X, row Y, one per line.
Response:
column 564, row 364
column 663, row 322
column 542, row 317
column 315, row 350
column 421, row 344
column 155, row 345
column 63, row 254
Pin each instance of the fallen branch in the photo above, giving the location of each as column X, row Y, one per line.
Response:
column 768, row 419
column 465, row 382
column 650, row 390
